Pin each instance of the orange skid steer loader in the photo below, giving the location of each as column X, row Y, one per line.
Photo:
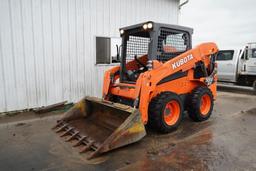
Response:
column 159, row 77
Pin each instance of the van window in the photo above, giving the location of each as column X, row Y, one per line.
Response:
column 243, row 56
column 225, row 55
column 253, row 53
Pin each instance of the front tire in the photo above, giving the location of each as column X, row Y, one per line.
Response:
column 200, row 104
column 165, row 112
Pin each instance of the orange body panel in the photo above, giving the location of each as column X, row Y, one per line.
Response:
column 147, row 86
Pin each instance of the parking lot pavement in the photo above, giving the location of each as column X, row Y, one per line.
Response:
column 226, row 141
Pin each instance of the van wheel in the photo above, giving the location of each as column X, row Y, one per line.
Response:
column 200, row 104
column 165, row 112
column 254, row 85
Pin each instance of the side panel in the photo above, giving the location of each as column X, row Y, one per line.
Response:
column 227, row 61
column 250, row 63
column 184, row 62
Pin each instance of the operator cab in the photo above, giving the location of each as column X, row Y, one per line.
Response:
column 145, row 42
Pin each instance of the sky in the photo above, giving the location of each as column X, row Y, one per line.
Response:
column 229, row 23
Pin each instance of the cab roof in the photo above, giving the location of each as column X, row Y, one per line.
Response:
column 156, row 26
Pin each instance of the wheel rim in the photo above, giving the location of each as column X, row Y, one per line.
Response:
column 205, row 104
column 171, row 112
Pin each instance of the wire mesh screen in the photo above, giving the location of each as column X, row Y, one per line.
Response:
column 136, row 46
column 170, row 44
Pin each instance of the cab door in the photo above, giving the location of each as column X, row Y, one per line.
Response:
column 227, row 65
column 251, row 62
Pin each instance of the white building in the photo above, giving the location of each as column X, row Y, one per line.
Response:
column 48, row 47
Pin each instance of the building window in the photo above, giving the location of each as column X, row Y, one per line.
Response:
column 106, row 50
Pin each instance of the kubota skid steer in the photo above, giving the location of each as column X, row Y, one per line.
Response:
column 159, row 77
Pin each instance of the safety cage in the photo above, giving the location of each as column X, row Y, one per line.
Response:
column 171, row 43
column 136, row 45
column 161, row 42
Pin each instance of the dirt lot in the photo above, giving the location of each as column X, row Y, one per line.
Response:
column 227, row 141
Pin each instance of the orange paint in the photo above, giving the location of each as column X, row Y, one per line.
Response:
column 205, row 104
column 171, row 112
column 147, row 87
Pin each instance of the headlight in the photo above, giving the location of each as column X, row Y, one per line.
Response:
column 150, row 25
column 145, row 26
column 121, row 32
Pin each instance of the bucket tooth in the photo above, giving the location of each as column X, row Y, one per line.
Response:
column 61, row 128
column 66, row 132
column 94, row 154
column 87, row 147
column 80, row 141
column 57, row 125
column 96, row 145
column 73, row 136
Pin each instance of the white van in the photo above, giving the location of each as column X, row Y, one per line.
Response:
column 238, row 66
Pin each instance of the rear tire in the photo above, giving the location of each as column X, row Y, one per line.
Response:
column 254, row 86
column 200, row 104
column 165, row 112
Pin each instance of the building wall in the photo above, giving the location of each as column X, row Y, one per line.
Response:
column 47, row 47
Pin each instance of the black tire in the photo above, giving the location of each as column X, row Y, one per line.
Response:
column 254, row 86
column 157, row 109
column 194, row 104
